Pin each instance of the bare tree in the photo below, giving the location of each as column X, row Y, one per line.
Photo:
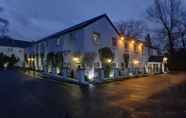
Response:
column 181, row 31
column 167, row 13
column 3, row 25
column 132, row 28
column 181, row 35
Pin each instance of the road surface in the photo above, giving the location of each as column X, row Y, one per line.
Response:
column 160, row 96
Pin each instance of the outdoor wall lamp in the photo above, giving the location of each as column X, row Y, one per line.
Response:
column 135, row 62
column 132, row 42
column 122, row 38
column 165, row 59
column 76, row 59
column 109, row 60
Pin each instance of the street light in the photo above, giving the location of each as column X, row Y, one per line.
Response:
column 165, row 59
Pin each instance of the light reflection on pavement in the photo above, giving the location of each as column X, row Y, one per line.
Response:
column 150, row 97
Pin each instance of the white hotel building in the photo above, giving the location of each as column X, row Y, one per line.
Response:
column 77, row 48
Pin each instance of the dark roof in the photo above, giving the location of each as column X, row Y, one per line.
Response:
column 7, row 41
column 79, row 26
column 156, row 59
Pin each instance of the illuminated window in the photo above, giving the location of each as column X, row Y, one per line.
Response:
column 96, row 37
column 135, row 48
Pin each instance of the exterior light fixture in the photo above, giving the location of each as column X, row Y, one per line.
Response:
column 122, row 38
column 141, row 44
column 132, row 41
column 57, row 70
column 32, row 59
column 76, row 59
column 109, row 60
column 111, row 75
column 165, row 59
column 135, row 62
column 29, row 59
column 91, row 74
column 131, row 74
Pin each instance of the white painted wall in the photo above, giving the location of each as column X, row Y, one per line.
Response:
column 81, row 41
column 105, row 29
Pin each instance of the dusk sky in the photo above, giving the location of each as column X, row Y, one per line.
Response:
column 35, row 19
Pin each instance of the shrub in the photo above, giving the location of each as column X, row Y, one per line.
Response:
column 11, row 61
column 177, row 61
column 104, row 54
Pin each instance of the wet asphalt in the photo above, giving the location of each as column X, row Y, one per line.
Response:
column 160, row 96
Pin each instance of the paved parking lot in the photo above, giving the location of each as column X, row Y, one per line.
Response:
column 160, row 96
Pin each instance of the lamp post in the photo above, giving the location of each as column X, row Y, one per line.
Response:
column 165, row 59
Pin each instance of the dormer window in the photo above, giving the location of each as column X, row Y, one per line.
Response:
column 96, row 37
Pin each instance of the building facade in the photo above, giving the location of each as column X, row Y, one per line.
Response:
column 94, row 46
column 9, row 47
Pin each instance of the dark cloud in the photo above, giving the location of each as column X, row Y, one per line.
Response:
column 33, row 19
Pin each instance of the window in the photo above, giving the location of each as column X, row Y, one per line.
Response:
column 39, row 46
column 10, row 49
column 46, row 44
column 122, row 65
column 58, row 41
column 96, row 37
column 126, row 46
column 72, row 36
column 143, row 50
column 43, row 46
column 97, row 65
column 114, row 42
column 135, row 48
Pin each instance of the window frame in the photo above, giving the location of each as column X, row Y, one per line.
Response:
column 96, row 37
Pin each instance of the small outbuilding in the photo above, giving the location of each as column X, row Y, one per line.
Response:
column 157, row 64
